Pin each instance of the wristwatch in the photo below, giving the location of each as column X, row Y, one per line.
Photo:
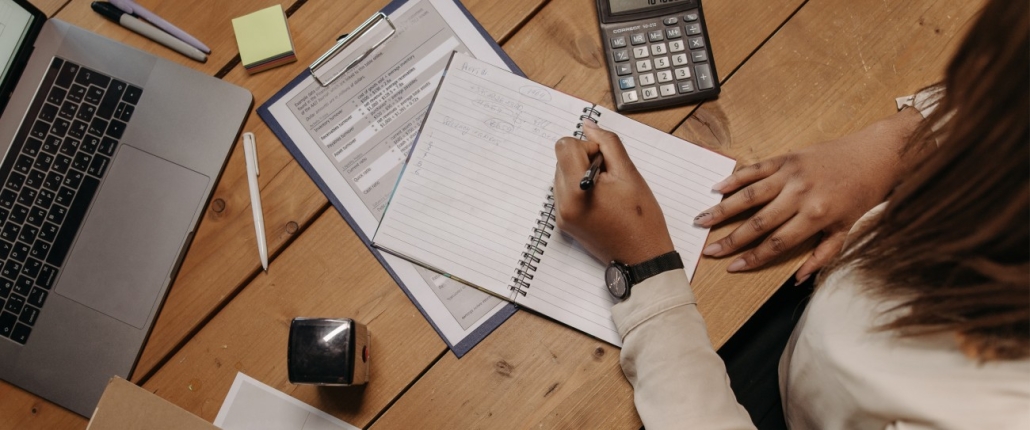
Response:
column 621, row 277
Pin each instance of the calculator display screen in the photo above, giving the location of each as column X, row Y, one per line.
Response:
column 621, row 6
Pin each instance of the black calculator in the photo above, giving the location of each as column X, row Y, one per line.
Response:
column 658, row 53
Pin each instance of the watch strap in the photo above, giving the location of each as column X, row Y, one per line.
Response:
column 662, row 263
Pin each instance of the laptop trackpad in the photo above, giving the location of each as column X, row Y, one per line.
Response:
column 132, row 235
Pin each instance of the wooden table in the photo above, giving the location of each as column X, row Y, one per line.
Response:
column 794, row 72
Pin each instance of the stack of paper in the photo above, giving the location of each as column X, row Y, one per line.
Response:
column 264, row 39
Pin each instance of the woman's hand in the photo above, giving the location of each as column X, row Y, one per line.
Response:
column 822, row 188
column 619, row 219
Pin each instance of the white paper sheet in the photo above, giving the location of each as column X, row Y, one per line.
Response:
column 252, row 405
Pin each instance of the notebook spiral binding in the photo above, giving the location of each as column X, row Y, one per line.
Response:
column 589, row 114
column 542, row 232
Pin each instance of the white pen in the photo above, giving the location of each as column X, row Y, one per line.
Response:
column 146, row 30
column 250, row 153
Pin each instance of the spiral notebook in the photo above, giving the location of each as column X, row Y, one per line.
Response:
column 475, row 199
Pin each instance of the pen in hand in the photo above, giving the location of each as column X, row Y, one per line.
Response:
column 591, row 174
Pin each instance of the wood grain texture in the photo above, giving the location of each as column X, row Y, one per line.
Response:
column 536, row 387
column 224, row 253
column 49, row 7
column 320, row 276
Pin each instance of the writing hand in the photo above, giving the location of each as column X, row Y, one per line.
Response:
column 822, row 188
column 619, row 219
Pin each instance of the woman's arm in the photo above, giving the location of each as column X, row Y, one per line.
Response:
column 678, row 380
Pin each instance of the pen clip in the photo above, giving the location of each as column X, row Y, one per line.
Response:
column 345, row 42
column 250, row 151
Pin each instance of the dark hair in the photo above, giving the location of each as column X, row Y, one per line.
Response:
column 953, row 243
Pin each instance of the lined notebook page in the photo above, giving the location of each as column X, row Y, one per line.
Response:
column 569, row 283
column 479, row 174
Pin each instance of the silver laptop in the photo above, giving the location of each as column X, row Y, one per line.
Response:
column 110, row 156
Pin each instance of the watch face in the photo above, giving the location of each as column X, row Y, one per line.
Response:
column 616, row 281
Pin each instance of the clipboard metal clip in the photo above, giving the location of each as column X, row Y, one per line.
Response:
column 368, row 26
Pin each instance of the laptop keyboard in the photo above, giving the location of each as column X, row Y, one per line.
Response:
column 50, row 175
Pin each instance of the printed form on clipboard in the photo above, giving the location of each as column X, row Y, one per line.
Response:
column 350, row 122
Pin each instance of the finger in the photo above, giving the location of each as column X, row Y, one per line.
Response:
column 573, row 158
column 748, row 174
column 827, row 250
column 770, row 218
column 616, row 160
column 783, row 239
column 756, row 194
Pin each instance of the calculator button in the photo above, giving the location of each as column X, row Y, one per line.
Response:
column 647, row 79
column 699, row 56
column 626, row 83
column 661, row 63
column 670, row 20
column 693, row 29
column 621, row 55
column 690, row 17
column 673, row 33
column 649, row 93
column 665, row 76
column 658, row 49
column 667, row 90
column 640, row 52
column 696, row 42
column 619, row 42
column 655, row 36
column 676, row 46
column 629, row 97
column 643, row 66
column 704, row 76
column 683, row 73
column 623, row 69
column 637, row 39
column 679, row 59
column 686, row 87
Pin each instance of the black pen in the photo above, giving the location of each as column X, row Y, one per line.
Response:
column 591, row 174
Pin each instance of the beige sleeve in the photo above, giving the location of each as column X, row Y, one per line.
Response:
column 678, row 379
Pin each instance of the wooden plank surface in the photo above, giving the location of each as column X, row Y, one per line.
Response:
column 536, row 373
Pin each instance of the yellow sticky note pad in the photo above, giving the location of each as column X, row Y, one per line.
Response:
column 264, row 39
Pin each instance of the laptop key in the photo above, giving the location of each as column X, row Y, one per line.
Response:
column 56, row 95
column 51, row 145
column 37, row 297
column 82, row 161
column 73, row 179
column 27, row 195
column 28, row 235
column 21, row 333
column 39, row 130
column 15, row 181
column 62, row 163
column 5, row 249
column 67, row 73
column 46, row 277
column 7, row 198
column 29, row 315
column 127, row 113
column 56, row 216
column 59, row 127
column 77, row 93
column 48, row 112
column 47, row 233
column 37, row 214
column 23, row 165
column 132, row 94
column 116, row 129
column 111, row 99
column 97, row 126
column 19, row 252
column 39, row 250
column 52, row 182
column 87, row 77
column 14, row 303
column 68, row 110
column 32, row 269
column 89, row 144
column 10, row 232
column 76, row 213
column 86, row 112
column 44, row 161
column 35, row 179
column 98, row 166
column 23, row 286
column 7, row 321
column 94, row 95
column 6, row 287
column 32, row 147
column 70, row 146
column 107, row 146
column 78, row 129
column 18, row 214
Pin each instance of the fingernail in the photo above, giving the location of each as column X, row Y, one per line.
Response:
column 703, row 219
column 590, row 124
column 719, row 185
column 736, row 265
column 802, row 279
column 712, row 249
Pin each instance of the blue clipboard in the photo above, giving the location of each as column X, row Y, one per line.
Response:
column 494, row 321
